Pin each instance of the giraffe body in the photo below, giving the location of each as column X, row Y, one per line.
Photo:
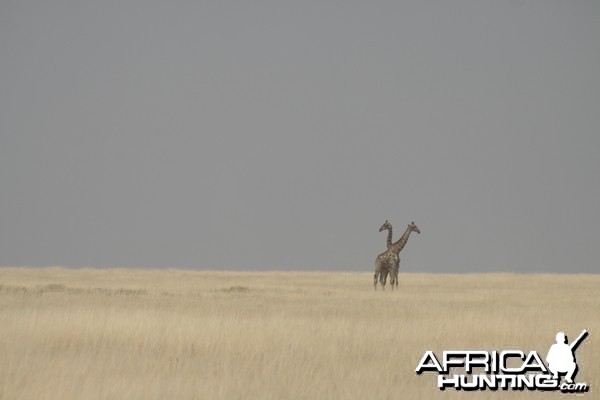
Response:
column 384, row 265
column 388, row 262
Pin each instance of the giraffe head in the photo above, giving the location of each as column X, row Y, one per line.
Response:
column 385, row 226
column 414, row 227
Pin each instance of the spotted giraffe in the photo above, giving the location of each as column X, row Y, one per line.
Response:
column 388, row 262
column 396, row 248
column 385, row 259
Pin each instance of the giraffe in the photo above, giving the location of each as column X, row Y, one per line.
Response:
column 385, row 259
column 396, row 248
column 389, row 260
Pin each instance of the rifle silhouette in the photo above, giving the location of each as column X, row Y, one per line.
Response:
column 579, row 339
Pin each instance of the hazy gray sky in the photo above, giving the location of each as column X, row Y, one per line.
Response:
column 282, row 134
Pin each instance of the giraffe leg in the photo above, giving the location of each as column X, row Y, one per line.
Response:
column 396, row 269
column 377, row 273
column 375, row 280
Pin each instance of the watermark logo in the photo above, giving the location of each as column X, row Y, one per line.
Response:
column 508, row 369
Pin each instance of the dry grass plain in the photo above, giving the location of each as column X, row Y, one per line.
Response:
column 179, row 334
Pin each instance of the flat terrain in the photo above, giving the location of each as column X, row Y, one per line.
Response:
column 177, row 334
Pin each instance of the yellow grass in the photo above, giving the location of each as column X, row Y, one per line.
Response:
column 174, row 334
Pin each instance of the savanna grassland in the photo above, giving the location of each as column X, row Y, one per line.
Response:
column 179, row 334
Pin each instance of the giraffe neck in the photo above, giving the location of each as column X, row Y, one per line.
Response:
column 399, row 245
column 389, row 238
